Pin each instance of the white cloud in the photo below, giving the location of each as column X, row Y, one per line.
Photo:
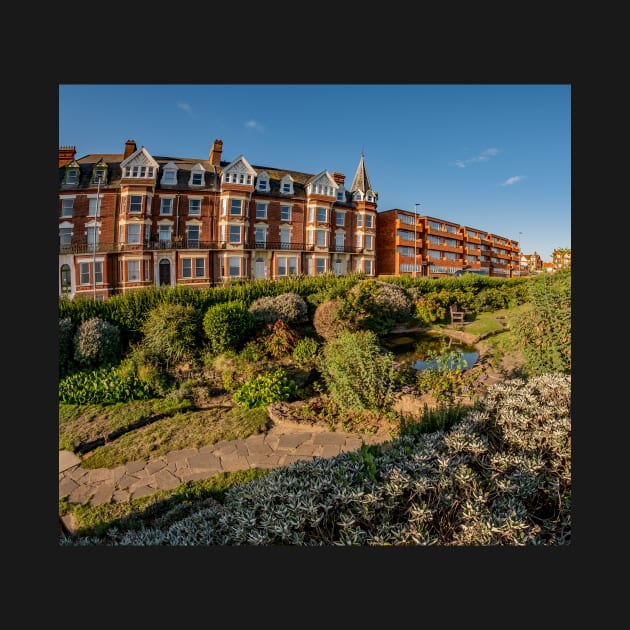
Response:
column 184, row 107
column 513, row 180
column 484, row 156
column 252, row 124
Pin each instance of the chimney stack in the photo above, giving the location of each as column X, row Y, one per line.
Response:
column 340, row 178
column 215, row 153
column 66, row 155
column 130, row 147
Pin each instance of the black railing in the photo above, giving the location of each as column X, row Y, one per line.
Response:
column 152, row 245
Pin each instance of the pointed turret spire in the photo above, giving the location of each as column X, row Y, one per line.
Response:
column 361, row 180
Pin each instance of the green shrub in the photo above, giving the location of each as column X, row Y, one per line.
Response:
column 544, row 330
column 492, row 299
column 499, row 476
column 357, row 374
column 289, row 307
column 171, row 333
column 375, row 305
column 228, row 326
column 305, row 351
column 279, row 339
column 327, row 321
column 266, row 388
column 97, row 344
column 103, row 386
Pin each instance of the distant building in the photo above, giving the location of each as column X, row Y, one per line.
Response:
column 420, row 246
column 561, row 258
column 533, row 262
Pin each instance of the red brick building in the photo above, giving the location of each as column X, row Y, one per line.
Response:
column 135, row 220
column 421, row 246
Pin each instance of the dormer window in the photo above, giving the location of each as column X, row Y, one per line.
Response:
column 99, row 173
column 197, row 175
column 72, row 176
column 262, row 185
column 286, row 185
column 169, row 174
column 341, row 193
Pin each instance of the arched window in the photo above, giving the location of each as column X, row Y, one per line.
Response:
column 66, row 283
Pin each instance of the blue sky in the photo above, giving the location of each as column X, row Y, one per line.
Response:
column 491, row 156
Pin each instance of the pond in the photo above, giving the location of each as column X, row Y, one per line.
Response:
column 416, row 348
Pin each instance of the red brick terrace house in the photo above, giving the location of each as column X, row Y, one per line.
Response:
column 421, row 246
column 135, row 220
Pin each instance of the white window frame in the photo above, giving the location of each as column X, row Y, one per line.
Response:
column 261, row 210
column 193, row 228
column 232, row 234
column 285, row 237
column 262, row 184
column 287, row 265
column 166, row 206
column 194, row 206
column 197, row 171
column 164, row 230
column 94, row 205
column 132, row 204
column 285, row 212
column 65, row 236
column 67, row 207
column 131, row 233
column 233, row 203
column 321, row 238
column 130, row 271
column 231, row 268
column 169, row 175
column 260, row 231
column 84, row 273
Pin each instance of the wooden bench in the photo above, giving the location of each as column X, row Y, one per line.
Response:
column 457, row 315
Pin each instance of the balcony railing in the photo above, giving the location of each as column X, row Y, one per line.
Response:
column 153, row 245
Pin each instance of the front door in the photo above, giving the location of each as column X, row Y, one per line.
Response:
column 165, row 272
column 259, row 271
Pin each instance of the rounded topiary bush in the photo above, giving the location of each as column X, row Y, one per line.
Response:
column 97, row 344
column 228, row 326
column 289, row 307
column 376, row 305
column 326, row 321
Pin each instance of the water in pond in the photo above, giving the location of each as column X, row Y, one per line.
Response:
column 417, row 349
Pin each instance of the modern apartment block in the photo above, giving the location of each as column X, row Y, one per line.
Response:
column 422, row 246
column 134, row 220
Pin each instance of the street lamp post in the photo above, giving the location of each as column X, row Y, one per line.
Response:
column 415, row 240
column 94, row 233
